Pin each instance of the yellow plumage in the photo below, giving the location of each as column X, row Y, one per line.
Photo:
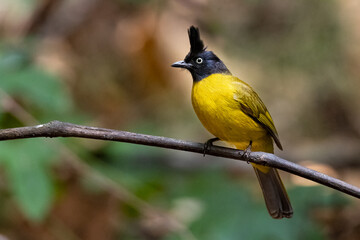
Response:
column 232, row 111
column 216, row 101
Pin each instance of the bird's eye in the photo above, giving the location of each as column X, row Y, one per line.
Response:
column 199, row 60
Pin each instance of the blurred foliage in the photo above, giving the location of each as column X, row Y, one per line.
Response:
column 38, row 90
column 28, row 162
column 28, row 170
column 211, row 202
column 279, row 33
column 106, row 63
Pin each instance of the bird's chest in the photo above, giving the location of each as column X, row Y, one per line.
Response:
column 215, row 105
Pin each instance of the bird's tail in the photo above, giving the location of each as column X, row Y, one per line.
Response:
column 276, row 198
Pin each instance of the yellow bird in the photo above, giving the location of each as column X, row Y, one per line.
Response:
column 232, row 111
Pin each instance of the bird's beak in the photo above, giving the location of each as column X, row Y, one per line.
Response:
column 182, row 64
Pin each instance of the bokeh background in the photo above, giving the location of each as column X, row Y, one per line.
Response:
column 106, row 63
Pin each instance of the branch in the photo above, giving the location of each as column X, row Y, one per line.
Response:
column 62, row 129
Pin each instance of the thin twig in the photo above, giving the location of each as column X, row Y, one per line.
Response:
column 62, row 129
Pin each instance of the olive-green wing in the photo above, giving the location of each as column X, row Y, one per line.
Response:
column 251, row 104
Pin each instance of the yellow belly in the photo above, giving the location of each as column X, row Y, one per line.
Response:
column 213, row 99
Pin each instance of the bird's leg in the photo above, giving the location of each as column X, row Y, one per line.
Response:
column 247, row 152
column 209, row 143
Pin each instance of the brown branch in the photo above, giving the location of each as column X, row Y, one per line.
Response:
column 62, row 129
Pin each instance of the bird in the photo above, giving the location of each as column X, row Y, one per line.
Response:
column 233, row 112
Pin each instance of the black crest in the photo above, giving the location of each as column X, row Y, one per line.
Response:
column 209, row 64
column 196, row 44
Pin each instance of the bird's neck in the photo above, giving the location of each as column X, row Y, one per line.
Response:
column 200, row 76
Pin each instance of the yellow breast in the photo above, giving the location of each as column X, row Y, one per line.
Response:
column 214, row 101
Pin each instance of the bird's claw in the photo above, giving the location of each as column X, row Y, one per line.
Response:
column 208, row 144
column 247, row 151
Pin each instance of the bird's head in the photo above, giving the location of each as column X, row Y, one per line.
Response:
column 198, row 61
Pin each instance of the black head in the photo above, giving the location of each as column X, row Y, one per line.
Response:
column 198, row 61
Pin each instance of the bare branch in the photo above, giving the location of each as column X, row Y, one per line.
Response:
column 62, row 129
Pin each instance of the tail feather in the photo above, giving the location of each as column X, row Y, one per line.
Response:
column 276, row 198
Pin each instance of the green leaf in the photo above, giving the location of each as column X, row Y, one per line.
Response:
column 27, row 167
column 37, row 86
column 20, row 77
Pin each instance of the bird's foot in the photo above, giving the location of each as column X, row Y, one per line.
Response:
column 247, row 151
column 209, row 143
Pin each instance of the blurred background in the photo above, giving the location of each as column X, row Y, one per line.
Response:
column 106, row 63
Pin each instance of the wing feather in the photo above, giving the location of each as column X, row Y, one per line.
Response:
column 251, row 104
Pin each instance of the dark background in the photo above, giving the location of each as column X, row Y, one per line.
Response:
column 106, row 63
